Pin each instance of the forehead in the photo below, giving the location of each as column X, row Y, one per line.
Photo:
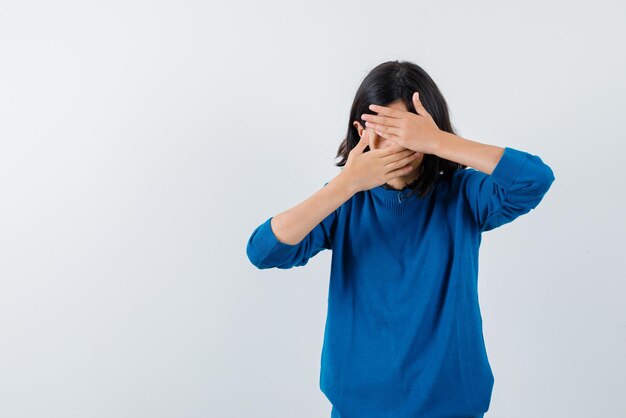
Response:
column 398, row 105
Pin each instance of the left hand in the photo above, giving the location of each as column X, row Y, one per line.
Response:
column 417, row 132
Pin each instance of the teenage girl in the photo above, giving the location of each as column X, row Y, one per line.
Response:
column 404, row 220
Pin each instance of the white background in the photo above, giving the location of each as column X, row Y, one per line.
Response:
column 141, row 142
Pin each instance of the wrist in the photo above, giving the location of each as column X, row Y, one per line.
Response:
column 345, row 184
column 439, row 142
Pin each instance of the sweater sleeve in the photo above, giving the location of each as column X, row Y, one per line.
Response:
column 516, row 185
column 265, row 251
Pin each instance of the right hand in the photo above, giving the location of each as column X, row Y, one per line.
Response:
column 376, row 167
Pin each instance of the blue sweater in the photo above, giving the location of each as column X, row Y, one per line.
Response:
column 403, row 335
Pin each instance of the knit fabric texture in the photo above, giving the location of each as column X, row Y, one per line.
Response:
column 403, row 335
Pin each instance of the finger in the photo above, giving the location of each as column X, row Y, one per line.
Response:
column 402, row 171
column 384, row 129
column 398, row 156
column 380, row 120
column 391, row 149
column 363, row 142
column 387, row 111
column 387, row 135
column 402, row 161
column 421, row 110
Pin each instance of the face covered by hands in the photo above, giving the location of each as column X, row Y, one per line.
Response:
column 378, row 142
column 394, row 123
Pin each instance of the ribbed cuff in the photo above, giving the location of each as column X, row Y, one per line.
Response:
column 265, row 241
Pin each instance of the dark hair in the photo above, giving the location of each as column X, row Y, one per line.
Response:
column 386, row 83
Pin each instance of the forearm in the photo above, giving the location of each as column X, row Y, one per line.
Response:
column 482, row 157
column 292, row 225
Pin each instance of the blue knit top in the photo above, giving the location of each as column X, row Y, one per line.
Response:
column 403, row 335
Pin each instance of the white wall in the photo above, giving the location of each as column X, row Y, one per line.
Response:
column 141, row 142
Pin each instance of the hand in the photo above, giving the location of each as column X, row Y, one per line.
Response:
column 417, row 132
column 376, row 167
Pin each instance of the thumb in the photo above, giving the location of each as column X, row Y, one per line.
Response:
column 418, row 105
column 363, row 143
column 416, row 100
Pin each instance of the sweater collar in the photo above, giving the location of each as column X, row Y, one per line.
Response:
column 392, row 196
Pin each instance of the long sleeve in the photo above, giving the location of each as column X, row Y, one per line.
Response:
column 265, row 251
column 517, row 184
column 404, row 335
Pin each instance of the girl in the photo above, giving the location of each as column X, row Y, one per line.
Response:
column 404, row 218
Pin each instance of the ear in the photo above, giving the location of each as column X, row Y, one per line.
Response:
column 358, row 127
